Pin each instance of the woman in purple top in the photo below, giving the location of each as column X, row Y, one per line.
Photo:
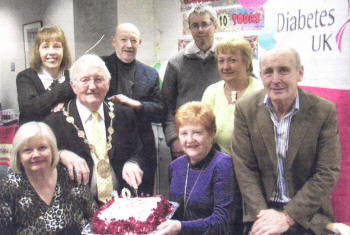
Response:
column 202, row 181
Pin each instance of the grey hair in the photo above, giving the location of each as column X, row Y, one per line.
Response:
column 285, row 48
column 202, row 9
column 23, row 134
column 88, row 60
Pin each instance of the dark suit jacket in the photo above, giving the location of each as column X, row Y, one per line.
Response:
column 313, row 159
column 126, row 145
column 144, row 88
column 34, row 101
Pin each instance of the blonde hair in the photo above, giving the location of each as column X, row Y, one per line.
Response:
column 26, row 132
column 47, row 34
column 233, row 43
column 195, row 112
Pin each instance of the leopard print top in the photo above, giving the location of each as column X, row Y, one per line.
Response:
column 23, row 212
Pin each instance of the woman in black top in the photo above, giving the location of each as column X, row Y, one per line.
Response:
column 45, row 85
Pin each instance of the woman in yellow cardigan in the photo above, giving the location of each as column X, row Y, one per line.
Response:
column 234, row 61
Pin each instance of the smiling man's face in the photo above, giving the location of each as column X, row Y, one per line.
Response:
column 280, row 75
column 126, row 42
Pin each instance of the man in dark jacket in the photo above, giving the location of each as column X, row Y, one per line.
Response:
column 136, row 85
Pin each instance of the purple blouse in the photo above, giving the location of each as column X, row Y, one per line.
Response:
column 212, row 203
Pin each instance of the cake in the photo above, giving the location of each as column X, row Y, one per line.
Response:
column 139, row 215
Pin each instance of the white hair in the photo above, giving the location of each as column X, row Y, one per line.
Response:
column 88, row 60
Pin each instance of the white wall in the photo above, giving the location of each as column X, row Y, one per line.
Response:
column 169, row 18
column 11, row 45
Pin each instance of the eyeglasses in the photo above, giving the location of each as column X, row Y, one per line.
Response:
column 203, row 25
column 97, row 80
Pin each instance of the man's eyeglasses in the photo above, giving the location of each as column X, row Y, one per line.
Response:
column 203, row 25
column 97, row 80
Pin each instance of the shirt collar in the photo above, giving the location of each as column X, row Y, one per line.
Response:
column 294, row 109
column 44, row 75
column 192, row 49
column 85, row 113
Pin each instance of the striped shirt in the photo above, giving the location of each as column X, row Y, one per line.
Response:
column 281, row 129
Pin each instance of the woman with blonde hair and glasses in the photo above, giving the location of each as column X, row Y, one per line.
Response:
column 37, row 196
column 44, row 87
column 234, row 61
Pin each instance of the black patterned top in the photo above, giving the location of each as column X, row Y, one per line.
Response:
column 22, row 211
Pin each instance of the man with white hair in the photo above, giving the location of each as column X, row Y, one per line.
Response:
column 104, row 135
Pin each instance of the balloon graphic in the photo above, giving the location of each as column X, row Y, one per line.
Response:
column 266, row 39
column 252, row 4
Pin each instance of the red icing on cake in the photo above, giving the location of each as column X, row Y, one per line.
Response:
column 116, row 216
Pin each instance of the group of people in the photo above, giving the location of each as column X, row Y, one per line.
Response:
column 246, row 160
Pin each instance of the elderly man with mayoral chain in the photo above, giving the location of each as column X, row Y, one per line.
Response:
column 102, row 134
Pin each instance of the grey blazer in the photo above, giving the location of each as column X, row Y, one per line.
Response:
column 313, row 159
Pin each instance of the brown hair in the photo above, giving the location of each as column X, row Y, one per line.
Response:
column 196, row 112
column 231, row 44
column 46, row 34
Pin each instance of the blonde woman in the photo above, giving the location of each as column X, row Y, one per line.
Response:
column 37, row 196
column 234, row 61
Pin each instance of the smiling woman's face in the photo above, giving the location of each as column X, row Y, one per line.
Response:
column 51, row 54
column 196, row 142
column 231, row 66
column 36, row 155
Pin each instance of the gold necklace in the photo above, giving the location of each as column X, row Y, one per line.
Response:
column 102, row 165
column 186, row 199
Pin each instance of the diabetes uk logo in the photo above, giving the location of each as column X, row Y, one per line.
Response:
column 317, row 20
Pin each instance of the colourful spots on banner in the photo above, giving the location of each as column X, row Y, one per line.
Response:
column 252, row 4
column 239, row 19
column 266, row 38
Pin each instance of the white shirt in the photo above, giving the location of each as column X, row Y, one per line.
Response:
column 47, row 79
column 192, row 48
column 86, row 119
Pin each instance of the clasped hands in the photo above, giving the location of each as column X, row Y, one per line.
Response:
column 271, row 222
column 77, row 167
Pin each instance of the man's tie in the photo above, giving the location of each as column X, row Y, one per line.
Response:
column 101, row 162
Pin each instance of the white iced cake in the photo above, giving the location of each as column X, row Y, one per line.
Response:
column 139, row 215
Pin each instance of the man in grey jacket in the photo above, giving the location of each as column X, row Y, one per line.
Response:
column 190, row 71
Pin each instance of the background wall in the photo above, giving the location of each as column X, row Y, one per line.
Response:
column 92, row 20
column 159, row 21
